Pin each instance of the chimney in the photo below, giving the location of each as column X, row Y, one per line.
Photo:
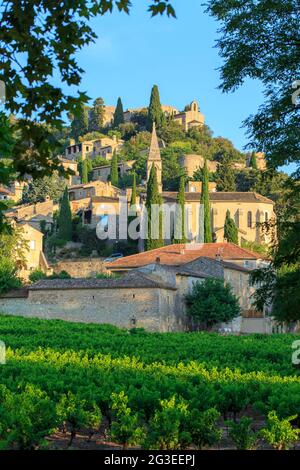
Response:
column 157, row 260
column 218, row 257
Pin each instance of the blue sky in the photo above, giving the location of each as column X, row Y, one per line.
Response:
column 134, row 52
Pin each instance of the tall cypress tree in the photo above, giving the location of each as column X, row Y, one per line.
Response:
column 97, row 115
column 206, row 204
column 253, row 161
column 179, row 226
column 118, row 114
column 153, row 197
column 114, row 175
column 65, row 218
column 230, row 229
column 84, row 172
column 133, row 192
column 155, row 113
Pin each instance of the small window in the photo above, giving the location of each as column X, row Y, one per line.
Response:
column 32, row 244
column 87, row 149
column 249, row 219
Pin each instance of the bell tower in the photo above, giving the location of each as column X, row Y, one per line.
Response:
column 155, row 157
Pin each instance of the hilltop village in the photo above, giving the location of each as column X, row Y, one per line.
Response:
column 108, row 153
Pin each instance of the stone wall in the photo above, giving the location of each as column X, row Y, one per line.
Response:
column 150, row 308
column 87, row 267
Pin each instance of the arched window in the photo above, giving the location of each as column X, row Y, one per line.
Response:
column 249, row 219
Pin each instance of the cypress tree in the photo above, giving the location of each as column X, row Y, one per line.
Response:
column 253, row 161
column 114, row 175
column 225, row 177
column 65, row 218
column 180, row 216
column 206, row 204
column 153, row 197
column 97, row 115
column 80, row 123
column 133, row 192
column 155, row 113
column 230, row 229
column 84, row 172
column 119, row 114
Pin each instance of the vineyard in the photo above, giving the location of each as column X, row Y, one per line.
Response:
column 150, row 390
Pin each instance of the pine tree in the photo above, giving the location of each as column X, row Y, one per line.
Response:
column 65, row 218
column 119, row 114
column 153, row 197
column 179, row 225
column 80, row 123
column 230, row 229
column 225, row 177
column 253, row 161
column 97, row 115
column 155, row 113
column 114, row 175
column 206, row 204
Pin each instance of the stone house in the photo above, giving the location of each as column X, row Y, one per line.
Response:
column 103, row 147
column 182, row 254
column 34, row 255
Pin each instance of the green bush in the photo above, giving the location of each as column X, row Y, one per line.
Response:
column 203, row 427
column 166, row 429
column 242, row 434
column 74, row 413
column 125, row 428
column 61, row 275
column 37, row 275
column 26, row 417
column 280, row 434
column 8, row 276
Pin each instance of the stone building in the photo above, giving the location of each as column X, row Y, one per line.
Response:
column 192, row 162
column 103, row 147
column 190, row 117
column 151, row 296
column 182, row 254
column 102, row 173
column 34, row 255
column 249, row 210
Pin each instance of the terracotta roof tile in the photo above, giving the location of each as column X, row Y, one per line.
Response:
column 177, row 255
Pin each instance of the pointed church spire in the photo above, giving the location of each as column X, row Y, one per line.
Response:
column 155, row 158
column 154, row 153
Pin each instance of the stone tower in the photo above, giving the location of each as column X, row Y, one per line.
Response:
column 154, row 157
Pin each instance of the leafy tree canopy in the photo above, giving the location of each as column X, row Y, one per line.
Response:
column 211, row 302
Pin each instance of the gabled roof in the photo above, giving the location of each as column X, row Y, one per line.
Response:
column 130, row 280
column 218, row 196
column 178, row 255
